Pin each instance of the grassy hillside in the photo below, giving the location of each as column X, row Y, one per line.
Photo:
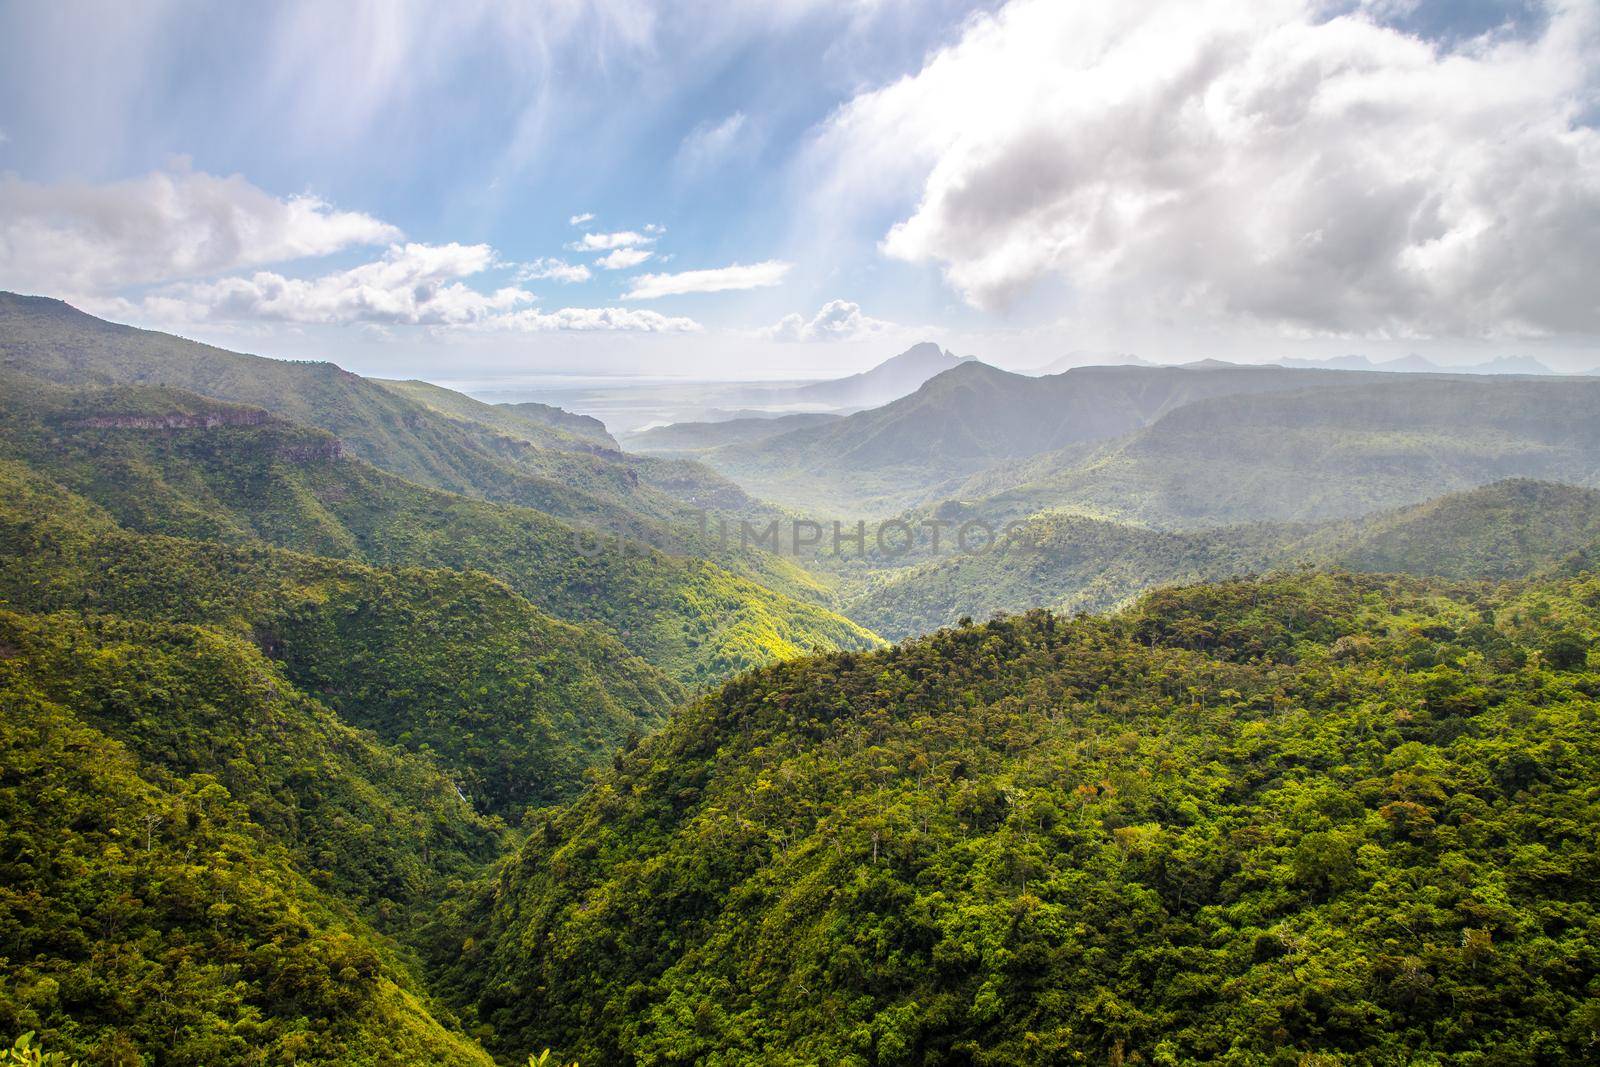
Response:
column 1317, row 819
column 162, row 461
column 1314, row 455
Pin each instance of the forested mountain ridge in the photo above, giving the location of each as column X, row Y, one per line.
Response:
column 513, row 703
column 1312, row 455
column 1331, row 817
column 148, row 916
column 528, row 455
column 164, row 461
column 1066, row 562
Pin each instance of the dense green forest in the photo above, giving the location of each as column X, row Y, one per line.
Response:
column 189, row 846
column 1311, row 819
column 361, row 722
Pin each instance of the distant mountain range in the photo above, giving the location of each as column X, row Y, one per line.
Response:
column 968, row 419
column 1415, row 364
column 1081, row 358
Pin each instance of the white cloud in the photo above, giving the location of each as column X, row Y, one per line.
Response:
column 411, row 285
column 553, row 269
column 719, row 279
column 80, row 238
column 600, row 242
column 1211, row 159
column 837, row 320
column 636, row 320
column 623, row 258
column 579, row 220
column 711, row 143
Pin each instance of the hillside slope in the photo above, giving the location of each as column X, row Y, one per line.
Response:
column 1068, row 563
column 163, row 461
column 514, row 704
column 1313, row 455
column 528, row 455
column 1303, row 820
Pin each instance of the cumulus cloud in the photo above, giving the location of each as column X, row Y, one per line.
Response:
column 601, row 242
column 412, row 285
column 1259, row 161
column 579, row 220
column 623, row 258
column 715, row 280
column 553, row 269
column 837, row 320
column 81, row 238
column 636, row 320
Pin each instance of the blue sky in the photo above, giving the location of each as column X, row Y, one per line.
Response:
column 805, row 186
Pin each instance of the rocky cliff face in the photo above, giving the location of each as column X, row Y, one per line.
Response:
column 292, row 447
column 175, row 421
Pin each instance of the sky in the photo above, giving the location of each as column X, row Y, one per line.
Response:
column 793, row 188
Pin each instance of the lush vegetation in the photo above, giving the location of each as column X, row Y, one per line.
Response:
column 528, row 455
column 1312, row 819
column 183, row 839
column 1068, row 562
column 339, row 729
column 164, row 461
column 514, row 703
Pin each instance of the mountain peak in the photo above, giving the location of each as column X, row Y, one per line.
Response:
column 893, row 378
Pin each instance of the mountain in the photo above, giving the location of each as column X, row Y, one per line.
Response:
column 1412, row 363
column 539, row 423
column 528, row 455
column 1310, row 455
column 969, row 418
column 1509, row 365
column 161, row 461
column 1301, row 819
column 889, row 380
column 1333, row 363
column 1069, row 563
